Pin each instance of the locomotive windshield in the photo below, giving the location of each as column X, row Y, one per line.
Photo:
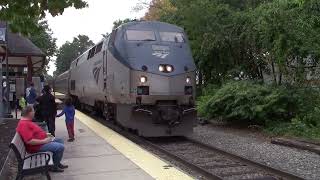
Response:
column 172, row 37
column 135, row 35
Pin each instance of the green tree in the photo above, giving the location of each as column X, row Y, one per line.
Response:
column 233, row 37
column 105, row 35
column 119, row 22
column 43, row 38
column 69, row 51
column 289, row 32
column 23, row 16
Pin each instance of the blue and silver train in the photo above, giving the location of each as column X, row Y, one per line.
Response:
column 142, row 76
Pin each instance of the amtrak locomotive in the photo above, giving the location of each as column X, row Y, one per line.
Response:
column 142, row 76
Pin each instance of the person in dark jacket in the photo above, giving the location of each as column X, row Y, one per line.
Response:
column 69, row 112
column 48, row 109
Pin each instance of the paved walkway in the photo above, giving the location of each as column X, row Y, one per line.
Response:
column 98, row 153
column 91, row 157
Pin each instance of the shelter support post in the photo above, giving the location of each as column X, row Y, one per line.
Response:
column 30, row 69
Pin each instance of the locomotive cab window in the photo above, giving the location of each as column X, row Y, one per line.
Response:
column 99, row 47
column 91, row 52
column 73, row 85
column 135, row 35
column 172, row 37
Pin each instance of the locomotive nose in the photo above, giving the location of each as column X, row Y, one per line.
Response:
column 168, row 114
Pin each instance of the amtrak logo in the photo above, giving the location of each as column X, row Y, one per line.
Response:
column 160, row 51
column 161, row 54
column 96, row 73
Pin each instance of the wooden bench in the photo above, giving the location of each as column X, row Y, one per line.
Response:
column 29, row 164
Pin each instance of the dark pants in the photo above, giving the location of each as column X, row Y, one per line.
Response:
column 51, row 123
column 70, row 128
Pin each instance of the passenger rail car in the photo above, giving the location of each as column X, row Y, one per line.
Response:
column 142, row 76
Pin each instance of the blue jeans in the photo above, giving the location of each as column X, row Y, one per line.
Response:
column 56, row 147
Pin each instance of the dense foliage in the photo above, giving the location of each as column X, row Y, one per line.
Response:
column 43, row 38
column 272, row 42
column 282, row 110
column 258, row 37
column 248, row 102
column 23, row 15
column 69, row 51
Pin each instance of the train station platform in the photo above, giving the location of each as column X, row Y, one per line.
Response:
column 99, row 153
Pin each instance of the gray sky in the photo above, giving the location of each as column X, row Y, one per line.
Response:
column 93, row 21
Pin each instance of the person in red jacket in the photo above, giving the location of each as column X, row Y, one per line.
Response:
column 37, row 140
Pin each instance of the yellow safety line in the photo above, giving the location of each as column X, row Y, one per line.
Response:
column 151, row 164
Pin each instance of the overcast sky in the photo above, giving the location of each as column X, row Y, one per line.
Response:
column 93, row 21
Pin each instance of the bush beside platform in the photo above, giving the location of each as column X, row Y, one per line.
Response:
column 280, row 110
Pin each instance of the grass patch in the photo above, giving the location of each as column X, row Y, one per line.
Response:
column 295, row 128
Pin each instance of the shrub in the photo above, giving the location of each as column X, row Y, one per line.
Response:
column 282, row 110
column 247, row 102
column 202, row 101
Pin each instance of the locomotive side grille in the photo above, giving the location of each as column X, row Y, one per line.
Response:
column 143, row 90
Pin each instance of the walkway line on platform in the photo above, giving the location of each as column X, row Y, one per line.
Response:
column 148, row 162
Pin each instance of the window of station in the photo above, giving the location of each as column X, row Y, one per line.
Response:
column 172, row 37
column 135, row 35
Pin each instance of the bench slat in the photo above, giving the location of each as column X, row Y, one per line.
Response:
column 19, row 144
column 37, row 161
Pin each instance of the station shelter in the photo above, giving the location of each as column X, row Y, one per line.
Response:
column 25, row 64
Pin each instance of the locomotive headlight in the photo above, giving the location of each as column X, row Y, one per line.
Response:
column 143, row 79
column 169, row 68
column 161, row 68
column 188, row 80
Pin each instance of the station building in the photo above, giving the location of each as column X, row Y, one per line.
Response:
column 23, row 61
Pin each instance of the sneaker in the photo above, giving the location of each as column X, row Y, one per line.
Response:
column 61, row 166
column 56, row 169
column 71, row 140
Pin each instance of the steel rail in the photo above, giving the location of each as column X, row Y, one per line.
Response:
column 278, row 171
column 194, row 167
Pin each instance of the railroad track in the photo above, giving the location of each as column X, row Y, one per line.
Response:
column 211, row 162
column 215, row 163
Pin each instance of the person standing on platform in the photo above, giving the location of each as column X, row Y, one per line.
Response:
column 22, row 102
column 31, row 95
column 69, row 112
column 48, row 109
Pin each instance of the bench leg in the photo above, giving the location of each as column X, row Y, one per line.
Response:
column 48, row 175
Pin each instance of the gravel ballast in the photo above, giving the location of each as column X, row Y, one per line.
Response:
column 257, row 147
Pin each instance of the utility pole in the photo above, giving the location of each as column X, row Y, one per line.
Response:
column 7, row 110
column 3, row 40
